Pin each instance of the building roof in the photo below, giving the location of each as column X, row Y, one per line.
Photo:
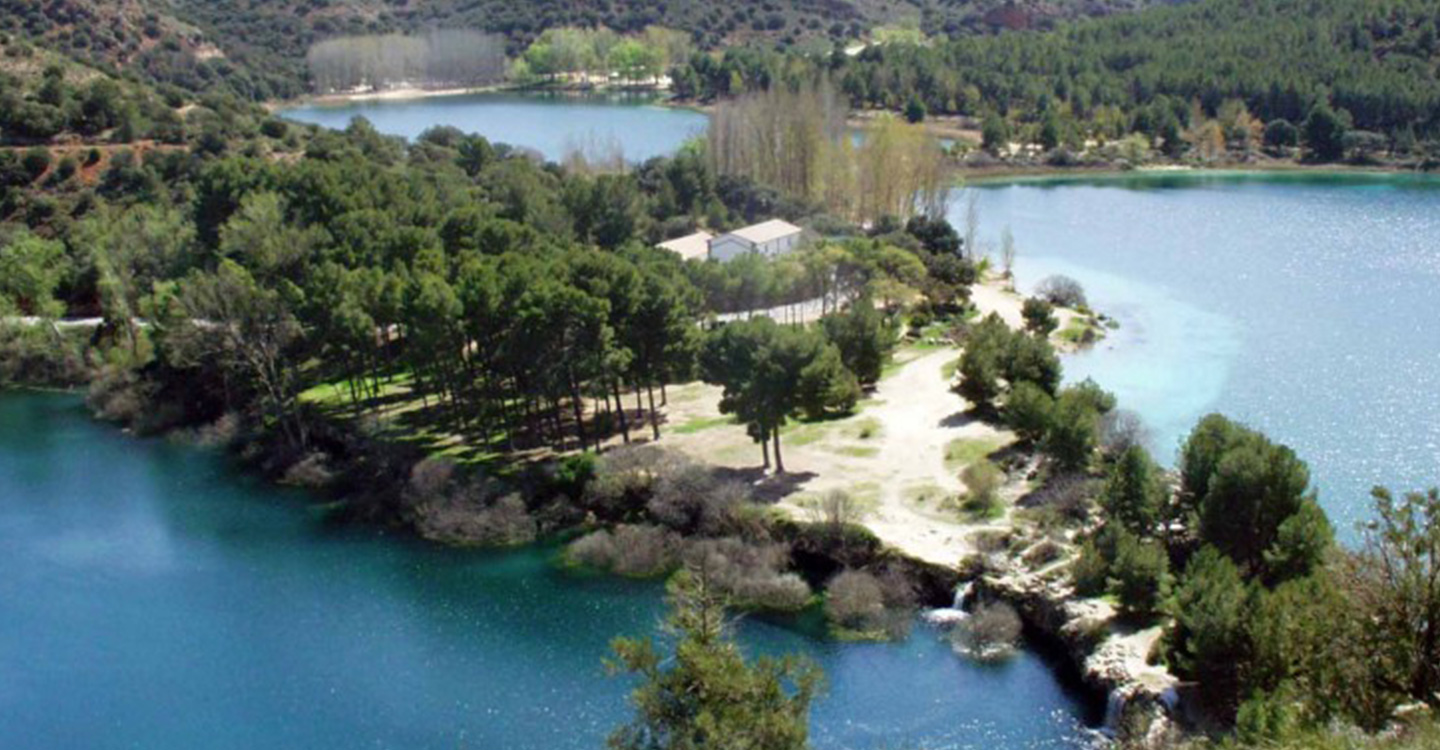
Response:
column 766, row 231
column 691, row 246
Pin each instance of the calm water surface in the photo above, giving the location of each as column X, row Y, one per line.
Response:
column 155, row 598
column 1303, row 305
column 550, row 124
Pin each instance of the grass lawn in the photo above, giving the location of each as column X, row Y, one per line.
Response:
column 962, row 452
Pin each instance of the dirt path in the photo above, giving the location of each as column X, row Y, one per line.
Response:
column 920, row 418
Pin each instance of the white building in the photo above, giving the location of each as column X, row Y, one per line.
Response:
column 774, row 237
column 691, row 246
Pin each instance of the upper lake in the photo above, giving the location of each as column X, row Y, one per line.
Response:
column 549, row 123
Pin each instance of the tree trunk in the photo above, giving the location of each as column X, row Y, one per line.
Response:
column 654, row 418
column 779, row 462
column 577, row 405
column 624, row 423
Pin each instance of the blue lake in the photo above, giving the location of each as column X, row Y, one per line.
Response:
column 154, row 597
column 1304, row 305
column 551, row 124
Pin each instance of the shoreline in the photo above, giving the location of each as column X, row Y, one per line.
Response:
column 1016, row 174
column 420, row 93
column 953, row 127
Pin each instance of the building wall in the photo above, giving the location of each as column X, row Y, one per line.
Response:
column 779, row 245
column 728, row 247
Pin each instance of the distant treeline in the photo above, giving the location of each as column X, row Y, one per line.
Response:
column 1374, row 59
column 440, row 57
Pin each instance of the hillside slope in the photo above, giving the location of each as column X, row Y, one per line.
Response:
column 256, row 48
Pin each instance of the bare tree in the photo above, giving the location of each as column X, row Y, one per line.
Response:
column 972, row 222
column 1007, row 252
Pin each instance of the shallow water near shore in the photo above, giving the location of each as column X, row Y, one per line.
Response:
column 156, row 597
column 1300, row 303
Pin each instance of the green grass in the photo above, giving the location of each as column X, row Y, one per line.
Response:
column 978, row 510
column 947, row 370
column 337, row 394
column 1078, row 328
column 700, row 424
column 962, row 452
column 857, row 451
column 868, row 428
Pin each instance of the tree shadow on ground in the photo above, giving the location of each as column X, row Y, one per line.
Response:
column 768, row 488
column 959, row 419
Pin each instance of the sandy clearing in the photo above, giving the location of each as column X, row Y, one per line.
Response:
column 995, row 295
column 920, row 417
column 898, row 472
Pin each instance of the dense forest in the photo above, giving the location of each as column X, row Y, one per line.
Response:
column 1163, row 73
column 257, row 50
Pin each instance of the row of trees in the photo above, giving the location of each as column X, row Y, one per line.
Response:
column 438, row 58
column 582, row 52
column 797, row 140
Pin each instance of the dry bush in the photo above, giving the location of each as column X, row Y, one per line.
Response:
column 752, row 574
column 222, row 432
column 992, row 631
column 635, row 551
column 1122, row 429
column 1062, row 291
column 991, row 542
column 836, row 509
column 430, row 480
column 855, row 601
column 471, row 518
column 1043, row 553
column 688, row 498
column 116, row 394
column 311, row 471
column 881, row 603
column 624, row 477
column 1069, row 495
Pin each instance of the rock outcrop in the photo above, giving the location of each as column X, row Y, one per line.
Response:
column 1110, row 656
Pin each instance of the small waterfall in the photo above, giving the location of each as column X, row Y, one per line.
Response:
column 963, row 594
column 1114, row 709
column 947, row 616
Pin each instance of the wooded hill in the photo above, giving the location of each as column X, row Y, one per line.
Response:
column 1157, row 72
column 256, row 49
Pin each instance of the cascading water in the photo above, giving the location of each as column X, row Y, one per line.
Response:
column 956, row 611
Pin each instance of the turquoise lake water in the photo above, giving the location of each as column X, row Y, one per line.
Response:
column 550, row 124
column 1304, row 305
column 154, row 597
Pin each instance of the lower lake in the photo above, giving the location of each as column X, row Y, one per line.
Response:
column 154, row 597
